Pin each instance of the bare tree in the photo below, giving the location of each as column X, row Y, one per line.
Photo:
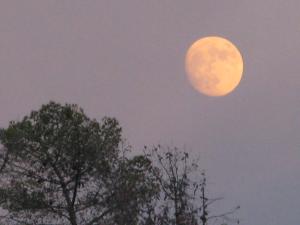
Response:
column 184, row 200
column 205, row 215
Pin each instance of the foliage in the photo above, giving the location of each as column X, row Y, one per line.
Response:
column 134, row 188
column 59, row 167
column 64, row 168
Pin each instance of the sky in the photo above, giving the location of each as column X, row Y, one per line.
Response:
column 125, row 59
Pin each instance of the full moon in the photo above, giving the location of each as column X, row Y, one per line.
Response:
column 214, row 66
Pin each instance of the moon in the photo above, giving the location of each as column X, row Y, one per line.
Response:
column 214, row 66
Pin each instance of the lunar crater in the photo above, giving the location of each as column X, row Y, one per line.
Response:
column 214, row 66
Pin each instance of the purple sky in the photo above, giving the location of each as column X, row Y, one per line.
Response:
column 126, row 59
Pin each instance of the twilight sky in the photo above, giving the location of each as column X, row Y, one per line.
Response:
column 126, row 59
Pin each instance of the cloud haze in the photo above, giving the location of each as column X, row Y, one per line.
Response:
column 126, row 59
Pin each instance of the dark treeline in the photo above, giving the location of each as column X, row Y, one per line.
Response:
column 60, row 167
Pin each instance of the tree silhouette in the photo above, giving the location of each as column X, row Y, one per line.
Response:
column 63, row 168
column 59, row 167
column 184, row 200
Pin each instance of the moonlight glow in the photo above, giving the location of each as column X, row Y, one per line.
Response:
column 214, row 66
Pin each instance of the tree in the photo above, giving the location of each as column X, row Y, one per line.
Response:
column 205, row 216
column 59, row 167
column 133, row 189
column 177, row 189
column 63, row 168
column 184, row 200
